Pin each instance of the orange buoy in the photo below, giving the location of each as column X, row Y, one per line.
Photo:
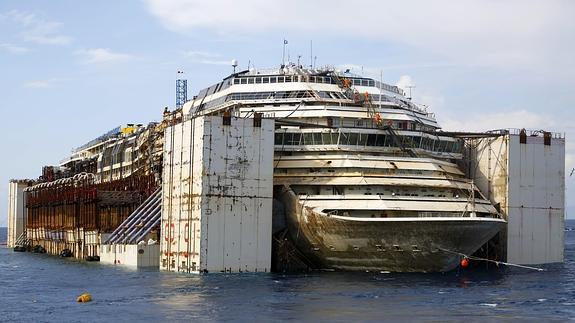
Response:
column 464, row 263
column 84, row 298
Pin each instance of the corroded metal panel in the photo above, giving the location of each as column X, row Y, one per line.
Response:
column 527, row 180
column 217, row 209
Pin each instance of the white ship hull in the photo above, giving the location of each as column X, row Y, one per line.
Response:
column 384, row 244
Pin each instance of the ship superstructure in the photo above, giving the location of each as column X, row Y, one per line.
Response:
column 364, row 177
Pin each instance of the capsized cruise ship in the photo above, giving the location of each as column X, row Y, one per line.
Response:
column 363, row 177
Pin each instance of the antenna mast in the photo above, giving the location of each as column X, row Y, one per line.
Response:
column 311, row 54
column 284, row 53
column 181, row 91
column 410, row 87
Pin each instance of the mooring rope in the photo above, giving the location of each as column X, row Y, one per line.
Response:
column 490, row 260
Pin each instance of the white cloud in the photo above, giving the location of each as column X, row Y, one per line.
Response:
column 42, row 84
column 404, row 83
column 37, row 29
column 102, row 55
column 14, row 49
column 528, row 34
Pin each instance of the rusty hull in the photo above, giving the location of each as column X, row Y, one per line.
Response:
column 384, row 244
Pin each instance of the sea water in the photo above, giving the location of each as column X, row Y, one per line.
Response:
column 41, row 288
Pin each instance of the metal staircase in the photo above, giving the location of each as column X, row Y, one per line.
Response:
column 22, row 240
column 143, row 220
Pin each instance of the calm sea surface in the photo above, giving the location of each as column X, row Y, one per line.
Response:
column 39, row 288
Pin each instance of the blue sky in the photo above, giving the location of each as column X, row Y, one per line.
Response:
column 71, row 70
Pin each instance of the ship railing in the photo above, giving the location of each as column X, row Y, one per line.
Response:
column 451, row 215
column 529, row 132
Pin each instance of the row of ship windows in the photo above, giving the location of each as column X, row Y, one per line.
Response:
column 366, row 140
column 292, row 78
column 310, row 79
column 267, row 79
column 349, row 170
column 278, row 95
column 284, row 95
column 109, row 159
column 375, row 190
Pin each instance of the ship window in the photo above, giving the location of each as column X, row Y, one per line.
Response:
column 371, row 83
column 356, row 82
column 364, row 82
column 362, row 139
column 352, row 138
column 416, row 141
column 296, row 137
column 380, row 140
column 441, row 146
column 250, row 80
column 334, row 137
column 308, row 139
column 278, row 138
column 388, row 141
column 449, row 146
column 288, row 79
column 281, row 79
column 326, row 137
column 371, row 139
column 431, row 144
column 312, row 79
column 424, row 143
column 265, row 80
column 236, row 81
column 288, row 139
column 317, row 138
column 457, row 147
column 343, row 138
column 258, row 80
column 273, row 79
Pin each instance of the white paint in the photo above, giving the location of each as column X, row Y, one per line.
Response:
column 137, row 256
column 217, row 196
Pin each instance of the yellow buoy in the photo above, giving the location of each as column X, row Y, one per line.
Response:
column 86, row 297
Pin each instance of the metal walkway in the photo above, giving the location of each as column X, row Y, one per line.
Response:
column 145, row 218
